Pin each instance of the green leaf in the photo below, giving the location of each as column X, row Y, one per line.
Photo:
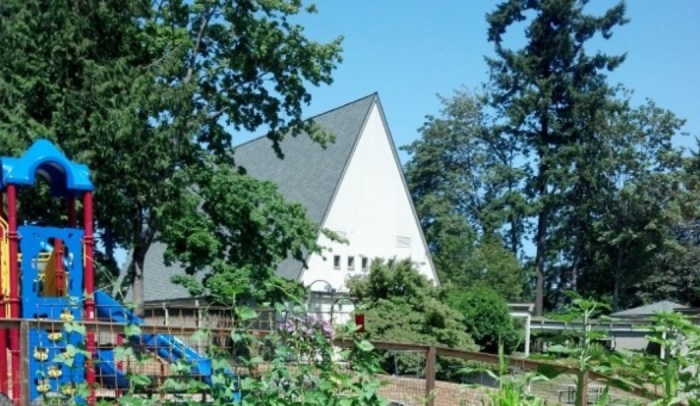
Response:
column 200, row 335
column 560, row 349
column 122, row 353
column 237, row 337
column 132, row 330
column 365, row 346
column 140, row 380
column 246, row 313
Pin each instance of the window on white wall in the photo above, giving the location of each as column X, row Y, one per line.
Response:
column 365, row 264
column 403, row 241
column 417, row 264
column 336, row 262
column 351, row 263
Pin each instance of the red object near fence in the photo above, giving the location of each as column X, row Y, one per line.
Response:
column 360, row 321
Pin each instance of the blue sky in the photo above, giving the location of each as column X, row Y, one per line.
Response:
column 409, row 51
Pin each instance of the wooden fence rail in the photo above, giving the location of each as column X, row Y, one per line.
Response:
column 431, row 354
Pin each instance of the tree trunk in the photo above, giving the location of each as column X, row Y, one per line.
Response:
column 541, row 241
column 514, row 229
column 514, row 237
column 137, row 281
column 109, row 244
column 541, row 238
column 539, row 262
column 616, row 280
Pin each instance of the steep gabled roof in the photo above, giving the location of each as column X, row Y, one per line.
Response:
column 308, row 174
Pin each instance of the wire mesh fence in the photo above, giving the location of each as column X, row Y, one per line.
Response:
column 177, row 344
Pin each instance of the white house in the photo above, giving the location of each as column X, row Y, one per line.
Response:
column 354, row 187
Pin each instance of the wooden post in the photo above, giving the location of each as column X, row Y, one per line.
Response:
column 583, row 388
column 528, row 321
column 25, row 380
column 430, row 361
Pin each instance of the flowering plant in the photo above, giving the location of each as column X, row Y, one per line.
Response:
column 307, row 327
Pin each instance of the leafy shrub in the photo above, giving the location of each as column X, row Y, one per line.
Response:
column 486, row 318
column 403, row 306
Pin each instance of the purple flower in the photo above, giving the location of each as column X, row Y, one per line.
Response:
column 307, row 327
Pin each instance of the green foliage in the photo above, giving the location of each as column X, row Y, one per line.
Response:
column 674, row 368
column 461, row 180
column 287, row 367
column 486, row 318
column 315, row 375
column 512, row 391
column 585, row 353
column 551, row 154
column 239, row 234
column 551, row 95
column 623, row 226
column 148, row 94
column 403, row 306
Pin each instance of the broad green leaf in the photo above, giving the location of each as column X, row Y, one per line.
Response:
column 246, row 313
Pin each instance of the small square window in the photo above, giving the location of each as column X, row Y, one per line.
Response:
column 336, row 262
column 365, row 264
column 351, row 263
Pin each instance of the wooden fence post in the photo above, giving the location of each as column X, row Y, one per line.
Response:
column 24, row 379
column 430, row 361
column 584, row 389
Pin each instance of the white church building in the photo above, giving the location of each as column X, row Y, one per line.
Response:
column 354, row 187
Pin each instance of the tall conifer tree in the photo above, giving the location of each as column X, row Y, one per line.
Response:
column 550, row 93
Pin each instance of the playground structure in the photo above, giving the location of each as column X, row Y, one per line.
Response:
column 47, row 273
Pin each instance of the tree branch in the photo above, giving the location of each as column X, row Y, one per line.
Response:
column 206, row 17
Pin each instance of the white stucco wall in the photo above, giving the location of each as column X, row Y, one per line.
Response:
column 372, row 210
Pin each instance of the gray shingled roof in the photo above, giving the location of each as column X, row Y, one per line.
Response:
column 650, row 309
column 308, row 174
column 157, row 276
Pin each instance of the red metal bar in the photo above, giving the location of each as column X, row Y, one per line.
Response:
column 3, row 332
column 89, row 273
column 60, row 275
column 14, row 288
column 120, row 367
column 120, row 364
column 60, row 272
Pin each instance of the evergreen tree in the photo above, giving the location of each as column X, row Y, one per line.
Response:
column 627, row 191
column 551, row 95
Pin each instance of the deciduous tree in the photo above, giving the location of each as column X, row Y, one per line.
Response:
column 148, row 92
column 463, row 179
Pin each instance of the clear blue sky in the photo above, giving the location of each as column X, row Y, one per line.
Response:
column 409, row 51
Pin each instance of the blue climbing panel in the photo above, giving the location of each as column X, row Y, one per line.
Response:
column 45, row 345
